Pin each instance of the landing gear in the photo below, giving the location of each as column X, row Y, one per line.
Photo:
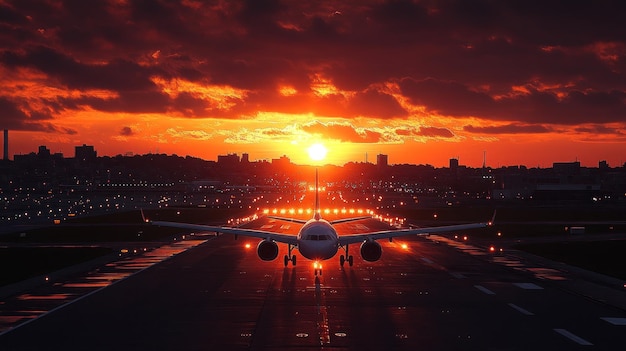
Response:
column 317, row 267
column 289, row 257
column 343, row 259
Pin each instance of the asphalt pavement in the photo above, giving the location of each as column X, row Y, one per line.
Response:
column 424, row 294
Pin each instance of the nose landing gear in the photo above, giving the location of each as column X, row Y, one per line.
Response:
column 317, row 267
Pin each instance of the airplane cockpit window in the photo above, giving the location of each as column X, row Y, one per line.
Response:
column 320, row 237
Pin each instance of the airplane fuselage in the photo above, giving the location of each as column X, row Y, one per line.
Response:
column 318, row 240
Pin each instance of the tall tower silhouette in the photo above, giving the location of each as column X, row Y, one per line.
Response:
column 6, row 145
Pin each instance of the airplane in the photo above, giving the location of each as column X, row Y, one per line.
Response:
column 317, row 239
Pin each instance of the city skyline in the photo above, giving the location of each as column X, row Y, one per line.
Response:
column 85, row 151
column 528, row 83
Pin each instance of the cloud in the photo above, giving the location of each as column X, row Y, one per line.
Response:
column 12, row 117
column 126, row 131
column 532, row 106
column 435, row 132
column 343, row 132
column 599, row 129
column 508, row 129
column 429, row 132
column 506, row 62
column 15, row 116
column 373, row 103
column 117, row 75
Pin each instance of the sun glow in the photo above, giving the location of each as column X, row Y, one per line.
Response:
column 317, row 152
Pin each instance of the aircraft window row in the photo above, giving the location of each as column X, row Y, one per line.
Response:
column 318, row 237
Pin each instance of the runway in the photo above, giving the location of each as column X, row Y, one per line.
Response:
column 431, row 295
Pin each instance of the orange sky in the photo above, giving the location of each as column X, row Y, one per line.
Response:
column 420, row 81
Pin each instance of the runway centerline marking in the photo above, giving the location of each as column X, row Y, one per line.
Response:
column 575, row 338
column 521, row 310
column 484, row 290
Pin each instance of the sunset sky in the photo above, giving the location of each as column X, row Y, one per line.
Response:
column 527, row 82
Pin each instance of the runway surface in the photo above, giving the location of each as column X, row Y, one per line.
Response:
column 435, row 294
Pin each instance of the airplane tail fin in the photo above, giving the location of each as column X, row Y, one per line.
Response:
column 317, row 214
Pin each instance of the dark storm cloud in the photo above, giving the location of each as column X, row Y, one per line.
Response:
column 508, row 129
column 130, row 101
column 455, row 99
column 600, row 130
column 457, row 58
column 116, row 75
column 369, row 103
column 126, row 131
column 373, row 103
column 13, row 117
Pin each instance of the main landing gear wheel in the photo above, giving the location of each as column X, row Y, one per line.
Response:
column 286, row 260
column 342, row 260
column 347, row 257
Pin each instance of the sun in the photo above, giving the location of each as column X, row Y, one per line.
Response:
column 317, row 152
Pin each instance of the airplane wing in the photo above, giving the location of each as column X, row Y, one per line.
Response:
column 344, row 220
column 282, row 238
column 302, row 221
column 295, row 220
column 356, row 238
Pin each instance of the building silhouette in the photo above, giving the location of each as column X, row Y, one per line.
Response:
column 382, row 161
column 85, row 153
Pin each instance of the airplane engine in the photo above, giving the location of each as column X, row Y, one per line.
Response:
column 371, row 251
column 267, row 250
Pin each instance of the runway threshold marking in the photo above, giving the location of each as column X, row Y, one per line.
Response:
column 614, row 320
column 484, row 290
column 521, row 310
column 575, row 338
